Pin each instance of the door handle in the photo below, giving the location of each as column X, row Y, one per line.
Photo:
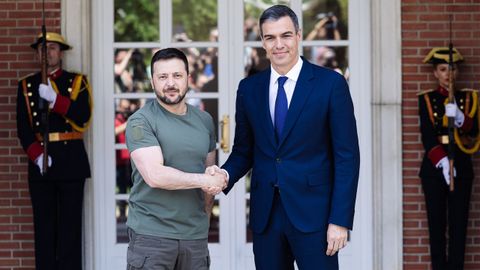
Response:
column 225, row 137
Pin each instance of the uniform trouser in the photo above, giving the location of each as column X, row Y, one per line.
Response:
column 444, row 206
column 147, row 252
column 57, row 216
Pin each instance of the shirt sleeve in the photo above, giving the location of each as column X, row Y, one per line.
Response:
column 139, row 133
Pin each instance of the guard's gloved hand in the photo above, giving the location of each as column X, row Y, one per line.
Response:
column 46, row 92
column 445, row 165
column 39, row 162
column 452, row 110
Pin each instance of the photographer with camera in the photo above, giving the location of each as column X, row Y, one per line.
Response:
column 325, row 28
column 326, row 57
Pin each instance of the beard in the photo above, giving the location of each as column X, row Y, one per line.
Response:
column 168, row 101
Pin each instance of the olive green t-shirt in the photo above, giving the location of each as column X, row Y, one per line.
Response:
column 185, row 141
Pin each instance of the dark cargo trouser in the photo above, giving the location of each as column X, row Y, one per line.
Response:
column 148, row 252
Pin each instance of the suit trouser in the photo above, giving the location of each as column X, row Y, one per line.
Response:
column 57, row 215
column 444, row 206
column 281, row 244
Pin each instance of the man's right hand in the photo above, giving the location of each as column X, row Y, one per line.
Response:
column 39, row 162
column 217, row 180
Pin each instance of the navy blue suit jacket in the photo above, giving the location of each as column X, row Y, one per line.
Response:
column 315, row 162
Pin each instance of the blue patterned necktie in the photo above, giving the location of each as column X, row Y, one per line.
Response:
column 281, row 107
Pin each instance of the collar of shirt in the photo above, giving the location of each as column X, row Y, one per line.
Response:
column 289, row 85
column 442, row 91
column 55, row 74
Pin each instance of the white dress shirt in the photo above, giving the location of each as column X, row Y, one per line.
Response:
column 289, row 85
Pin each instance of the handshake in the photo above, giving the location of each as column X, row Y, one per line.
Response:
column 216, row 180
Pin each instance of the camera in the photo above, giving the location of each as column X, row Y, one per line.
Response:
column 328, row 23
column 329, row 15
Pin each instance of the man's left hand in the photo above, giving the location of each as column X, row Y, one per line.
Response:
column 336, row 238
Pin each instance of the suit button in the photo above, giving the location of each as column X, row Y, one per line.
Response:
column 278, row 160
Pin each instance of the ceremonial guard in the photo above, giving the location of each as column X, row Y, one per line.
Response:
column 447, row 197
column 56, row 190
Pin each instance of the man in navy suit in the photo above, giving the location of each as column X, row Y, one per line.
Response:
column 295, row 128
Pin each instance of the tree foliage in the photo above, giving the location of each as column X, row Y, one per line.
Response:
column 136, row 20
column 195, row 18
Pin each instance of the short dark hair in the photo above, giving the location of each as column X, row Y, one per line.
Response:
column 275, row 13
column 168, row 53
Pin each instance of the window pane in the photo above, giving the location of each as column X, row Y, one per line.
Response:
column 325, row 19
column 194, row 20
column 252, row 12
column 121, row 214
column 249, row 235
column 123, row 172
column 136, row 20
column 335, row 58
column 248, row 180
column 214, row 231
column 132, row 70
column 255, row 60
column 203, row 69
column 209, row 105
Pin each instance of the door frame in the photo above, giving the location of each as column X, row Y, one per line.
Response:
column 85, row 31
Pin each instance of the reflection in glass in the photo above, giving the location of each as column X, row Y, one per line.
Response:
column 325, row 19
column 252, row 12
column 123, row 109
column 121, row 217
column 123, row 172
column 136, row 20
column 209, row 105
column 248, row 180
column 194, row 20
column 255, row 60
column 214, row 231
column 335, row 58
column 249, row 235
column 203, row 69
column 132, row 70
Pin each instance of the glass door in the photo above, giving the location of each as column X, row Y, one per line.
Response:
column 220, row 39
column 140, row 28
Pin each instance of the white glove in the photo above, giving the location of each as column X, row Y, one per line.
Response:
column 445, row 165
column 47, row 93
column 452, row 110
column 39, row 162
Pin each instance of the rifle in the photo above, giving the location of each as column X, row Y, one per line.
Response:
column 43, row 107
column 451, row 99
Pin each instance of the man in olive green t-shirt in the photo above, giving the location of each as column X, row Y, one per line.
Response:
column 170, row 143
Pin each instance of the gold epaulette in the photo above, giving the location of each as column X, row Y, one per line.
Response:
column 425, row 92
column 468, row 90
column 26, row 76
